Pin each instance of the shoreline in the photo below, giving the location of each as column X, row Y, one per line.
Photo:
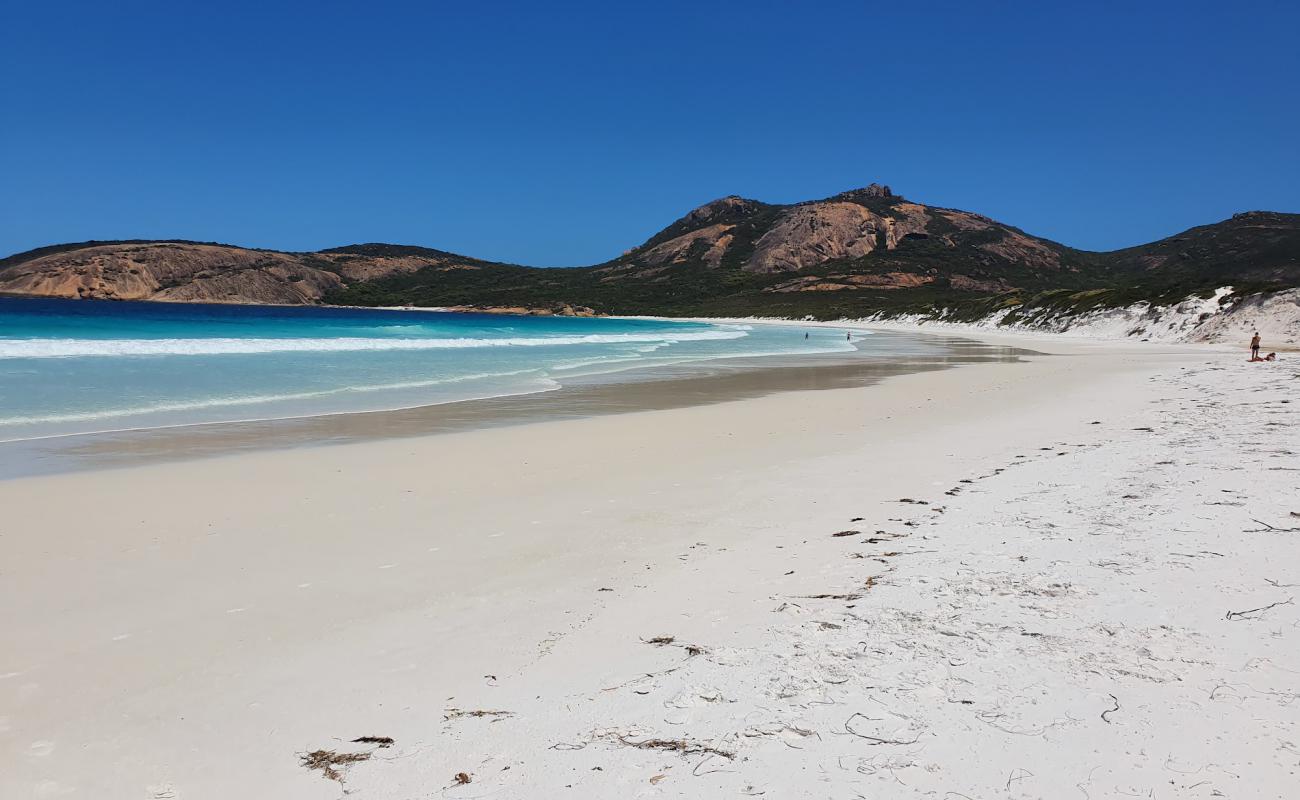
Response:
column 357, row 395
column 147, row 443
column 632, row 388
column 227, row 615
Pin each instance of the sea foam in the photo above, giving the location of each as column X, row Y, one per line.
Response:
column 76, row 348
column 538, row 382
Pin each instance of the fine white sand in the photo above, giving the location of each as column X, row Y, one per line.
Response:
column 1090, row 597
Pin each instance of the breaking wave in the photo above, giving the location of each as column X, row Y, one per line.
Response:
column 77, row 348
column 538, row 382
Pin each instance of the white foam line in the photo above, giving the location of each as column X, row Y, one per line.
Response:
column 74, row 348
column 250, row 400
column 549, row 386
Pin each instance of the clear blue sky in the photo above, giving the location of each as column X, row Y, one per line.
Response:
column 563, row 133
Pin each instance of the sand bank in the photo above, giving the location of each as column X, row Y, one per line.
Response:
column 1073, row 600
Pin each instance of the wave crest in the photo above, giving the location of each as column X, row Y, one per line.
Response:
column 79, row 348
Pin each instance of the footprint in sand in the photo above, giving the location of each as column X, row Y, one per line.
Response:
column 41, row 748
column 679, row 716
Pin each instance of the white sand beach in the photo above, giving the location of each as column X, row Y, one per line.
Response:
column 1074, row 576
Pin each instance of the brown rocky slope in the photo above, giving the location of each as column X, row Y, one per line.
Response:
column 193, row 272
column 856, row 252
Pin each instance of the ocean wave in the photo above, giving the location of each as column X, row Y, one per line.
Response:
column 77, row 348
column 590, row 362
column 231, row 401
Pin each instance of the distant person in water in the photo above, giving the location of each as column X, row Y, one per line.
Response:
column 1254, row 347
column 849, row 336
column 805, row 334
column 1271, row 357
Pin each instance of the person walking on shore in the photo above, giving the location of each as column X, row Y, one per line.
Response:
column 1254, row 347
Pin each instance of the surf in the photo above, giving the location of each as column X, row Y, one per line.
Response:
column 84, row 348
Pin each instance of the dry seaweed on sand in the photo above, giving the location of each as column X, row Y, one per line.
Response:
column 382, row 741
column 457, row 713
column 684, row 747
column 327, row 760
column 1269, row 528
column 870, row 738
column 665, row 641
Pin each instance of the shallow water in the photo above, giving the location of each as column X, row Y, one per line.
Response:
column 75, row 367
column 654, row 387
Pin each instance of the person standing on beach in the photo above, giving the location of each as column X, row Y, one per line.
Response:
column 1254, row 347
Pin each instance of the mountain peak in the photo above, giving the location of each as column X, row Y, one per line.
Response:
column 872, row 191
column 730, row 206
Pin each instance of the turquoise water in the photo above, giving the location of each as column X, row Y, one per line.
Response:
column 69, row 366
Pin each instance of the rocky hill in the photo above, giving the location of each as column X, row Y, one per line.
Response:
column 859, row 252
column 205, row 272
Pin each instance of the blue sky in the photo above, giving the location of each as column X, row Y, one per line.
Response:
column 563, row 133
